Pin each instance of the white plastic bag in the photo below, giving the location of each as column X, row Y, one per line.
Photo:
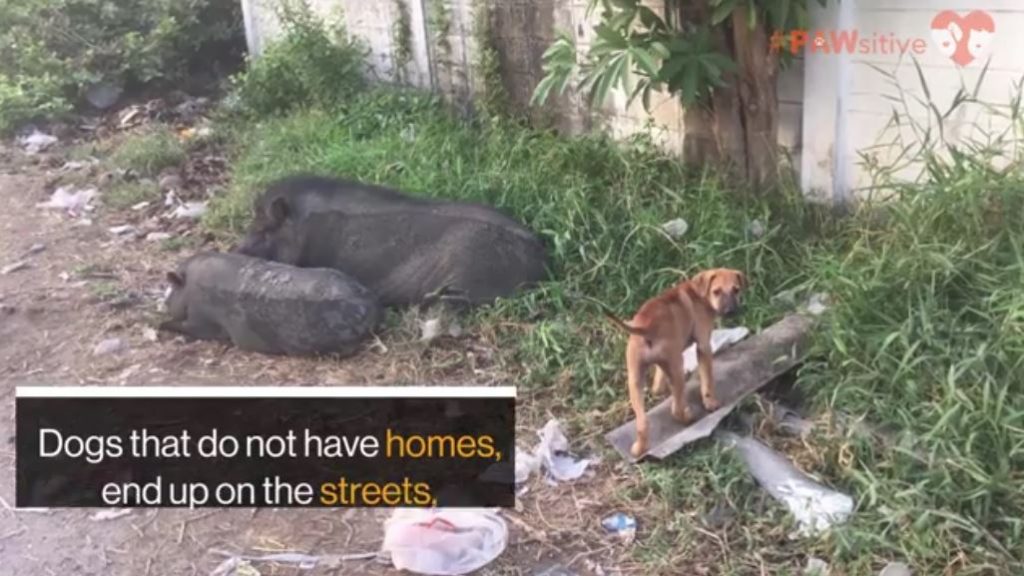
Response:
column 444, row 541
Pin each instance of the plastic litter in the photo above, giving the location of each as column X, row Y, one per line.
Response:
column 67, row 198
column 756, row 228
column 817, row 304
column 241, row 565
column 108, row 346
column 110, row 514
column 190, row 210
column 720, row 338
column 444, row 542
column 622, row 525
column 815, row 506
column 36, row 142
column 676, row 228
column 555, row 459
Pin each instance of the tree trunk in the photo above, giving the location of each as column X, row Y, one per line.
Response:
column 740, row 124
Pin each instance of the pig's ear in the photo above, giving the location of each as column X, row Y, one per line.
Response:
column 279, row 210
column 176, row 280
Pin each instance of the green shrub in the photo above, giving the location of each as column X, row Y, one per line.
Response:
column 52, row 51
column 25, row 99
column 314, row 64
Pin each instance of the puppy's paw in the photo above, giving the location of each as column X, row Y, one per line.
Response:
column 639, row 448
column 682, row 414
column 711, row 403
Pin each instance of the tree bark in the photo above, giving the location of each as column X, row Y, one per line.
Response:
column 739, row 126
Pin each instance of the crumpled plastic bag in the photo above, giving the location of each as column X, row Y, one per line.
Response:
column 444, row 541
column 720, row 338
column 815, row 506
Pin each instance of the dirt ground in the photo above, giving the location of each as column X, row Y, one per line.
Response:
column 82, row 285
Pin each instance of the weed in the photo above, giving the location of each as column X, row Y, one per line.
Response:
column 313, row 65
column 123, row 194
column 148, row 151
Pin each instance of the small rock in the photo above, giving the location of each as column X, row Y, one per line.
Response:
column 430, row 329
column 170, row 182
column 756, row 229
column 896, row 569
column 35, row 249
column 818, row 304
column 149, row 334
column 816, row 567
column 140, row 206
column 158, row 236
column 20, row 265
column 676, row 228
column 454, row 329
column 109, row 346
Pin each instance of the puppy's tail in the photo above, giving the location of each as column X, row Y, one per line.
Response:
column 637, row 331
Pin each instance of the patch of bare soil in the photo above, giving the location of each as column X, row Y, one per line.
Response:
column 79, row 304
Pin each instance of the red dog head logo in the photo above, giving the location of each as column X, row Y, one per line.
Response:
column 963, row 38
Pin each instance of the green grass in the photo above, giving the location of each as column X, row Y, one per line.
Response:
column 926, row 337
column 148, row 151
column 124, row 194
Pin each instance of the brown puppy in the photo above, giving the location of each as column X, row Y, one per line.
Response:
column 662, row 329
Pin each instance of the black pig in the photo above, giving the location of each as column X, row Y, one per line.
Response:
column 406, row 250
column 269, row 307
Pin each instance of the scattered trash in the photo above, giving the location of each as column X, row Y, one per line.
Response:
column 82, row 223
column 526, row 464
column 815, row 506
column 817, row 304
column 158, row 236
column 622, row 525
column 190, row 210
column 35, row 249
column 110, row 514
column 36, row 142
column 140, row 206
column 444, row 542
column 66, row 198
column 109, row 346
column 103, row 95
column 241, row 565
column 790, row 421
column 124, row 230
column 555, row 459
column 816, row 567
column 720, row 338
column 756, row 228
column 235, row 566
column 19, row 265
column 676, row 228
column 896, row 569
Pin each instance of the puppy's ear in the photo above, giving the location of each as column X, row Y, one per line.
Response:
column 176, row 280
column 279, row 210
column 704, row 281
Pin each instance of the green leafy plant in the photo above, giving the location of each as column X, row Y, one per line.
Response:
column 313, row 64
column 401, row 38
column 690, row 48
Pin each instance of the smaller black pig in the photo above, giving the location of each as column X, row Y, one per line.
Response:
column 269, row 307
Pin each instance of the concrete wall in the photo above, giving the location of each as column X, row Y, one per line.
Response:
column 521, row 31
column 851, row 98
